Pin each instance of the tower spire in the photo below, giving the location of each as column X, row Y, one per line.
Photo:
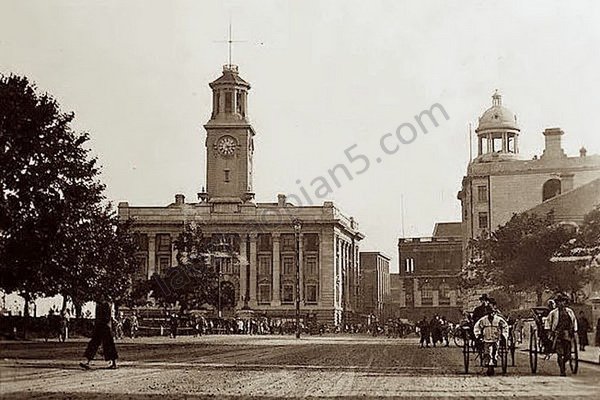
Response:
column 230, row 41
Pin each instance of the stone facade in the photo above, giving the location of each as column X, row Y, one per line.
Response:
column 500, row 183
column 427, row 282
column 375, row 282
column 263, row 276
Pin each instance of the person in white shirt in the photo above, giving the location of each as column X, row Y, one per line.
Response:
column 563, row 328
column 490, row 329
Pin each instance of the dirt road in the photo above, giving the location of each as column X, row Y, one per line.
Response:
column 273, row 367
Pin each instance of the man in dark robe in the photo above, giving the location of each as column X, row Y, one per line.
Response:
column 102, row 335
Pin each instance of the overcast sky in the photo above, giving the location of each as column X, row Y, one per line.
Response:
column 325, row 76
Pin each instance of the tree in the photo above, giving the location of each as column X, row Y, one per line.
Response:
column 193, row 281
column 57, row 235
column 518, row 257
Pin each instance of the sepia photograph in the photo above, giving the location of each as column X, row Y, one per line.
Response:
column 286, row 199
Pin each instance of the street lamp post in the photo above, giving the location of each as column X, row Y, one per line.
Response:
column 297, row 227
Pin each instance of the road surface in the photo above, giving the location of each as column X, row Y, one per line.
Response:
column 237, row 367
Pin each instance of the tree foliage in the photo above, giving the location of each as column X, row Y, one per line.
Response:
column 193, row 282
column 519, row 257
column 57, row 235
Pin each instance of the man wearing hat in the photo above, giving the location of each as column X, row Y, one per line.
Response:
column 490, row 329
column 482, row 309
column 563, row 328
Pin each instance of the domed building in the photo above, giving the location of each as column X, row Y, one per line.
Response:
column 500, row 182
column 497, row 132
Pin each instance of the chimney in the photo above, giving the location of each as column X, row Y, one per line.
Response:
column 281, row 200
column 179, row 199
column 553, row 143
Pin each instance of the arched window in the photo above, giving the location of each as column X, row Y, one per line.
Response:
column 551, row 188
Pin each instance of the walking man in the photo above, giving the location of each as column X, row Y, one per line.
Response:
column 563, row 325
column 102, row 334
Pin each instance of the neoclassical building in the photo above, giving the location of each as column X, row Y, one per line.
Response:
column 263, row 277
column 500, row 182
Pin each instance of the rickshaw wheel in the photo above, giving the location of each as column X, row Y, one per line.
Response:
column 466, row 355
column 504, row 358
column 533, row 351
column 574, row 359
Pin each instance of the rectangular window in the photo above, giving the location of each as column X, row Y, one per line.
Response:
column 226, row 175
column 311, row 242
column 426, row 296
column 141, row 241
column 409, row 265
column 264, row 265
column 164, row 263
column 288, row 242
column 510, row 144
column 163, row 242
column 288, row 265
column 287, row 295
column 444, row 295
column 311, row 293
column 228, row 102
column 483, row 220
column 482, row 194
column 311, row 265
column 264, row 242
column 264, row 293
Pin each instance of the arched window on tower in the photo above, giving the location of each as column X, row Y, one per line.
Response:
column 550, row 189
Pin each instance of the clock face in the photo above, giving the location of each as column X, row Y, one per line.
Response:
column 226, row 146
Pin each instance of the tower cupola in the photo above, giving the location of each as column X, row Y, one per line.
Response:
column 230, row 95
column 497, row 132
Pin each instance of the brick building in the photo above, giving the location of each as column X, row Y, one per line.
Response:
column 427, row 281
column 262, row 277
column 374, row 282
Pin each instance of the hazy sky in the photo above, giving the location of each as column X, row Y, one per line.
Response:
column 325, row 75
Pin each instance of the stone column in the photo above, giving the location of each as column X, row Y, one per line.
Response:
column 453, row 298
column 301, row 257
column 436, row 298
column 173, row 251
column 243, row 269
column 417, row 293
column 276, row 289
column 151, row 254
column 252, row 264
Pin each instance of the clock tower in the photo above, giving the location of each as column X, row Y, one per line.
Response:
column 229, row 141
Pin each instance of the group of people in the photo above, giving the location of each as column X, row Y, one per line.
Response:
column 435, row 331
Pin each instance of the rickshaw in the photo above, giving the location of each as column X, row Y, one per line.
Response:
column 540, row 342
column 472, row 345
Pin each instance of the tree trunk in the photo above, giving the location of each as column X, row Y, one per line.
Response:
column 64, row 303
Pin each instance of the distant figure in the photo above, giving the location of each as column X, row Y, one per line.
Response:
column 174, row 324
column 583, row 326
column 135, row 325
column 423, row 327
column 63, row 334
column 597, row 342
column 102, row 334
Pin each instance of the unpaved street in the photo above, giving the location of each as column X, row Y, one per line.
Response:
column 274, row 367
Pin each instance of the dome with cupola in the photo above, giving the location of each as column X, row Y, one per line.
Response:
column 497, row 117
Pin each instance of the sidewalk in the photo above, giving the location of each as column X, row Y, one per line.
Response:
column 590, row 355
